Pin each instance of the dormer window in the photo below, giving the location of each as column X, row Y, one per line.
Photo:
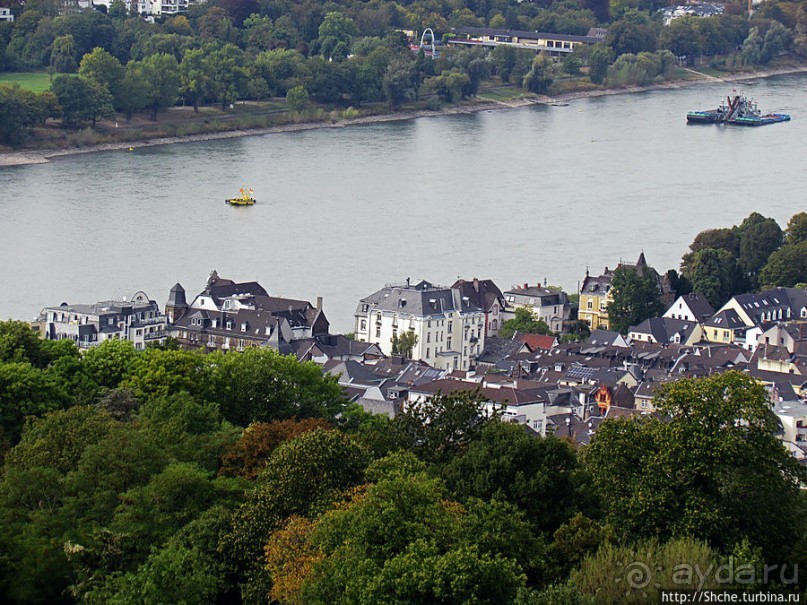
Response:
column 229, row 324
column 244, row 327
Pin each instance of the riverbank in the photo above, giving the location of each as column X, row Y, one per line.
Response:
column 41, row 156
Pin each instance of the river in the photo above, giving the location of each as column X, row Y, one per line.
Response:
column 519, row 195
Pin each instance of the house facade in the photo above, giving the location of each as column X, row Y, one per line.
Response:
column 549, row 305
column 5, row 14
column 595, row 293
column 485, row 294
column 234, row 316
column 557, row 45
column 690, row 307
column 128, row 315
column 450, row 327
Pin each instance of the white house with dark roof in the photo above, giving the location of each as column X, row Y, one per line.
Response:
column 691, row 307
column 228, row 315
column 128, row 315
column 485, row 294
column 665, row 330
column 450, row 327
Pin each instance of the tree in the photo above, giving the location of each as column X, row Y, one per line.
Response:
column 400, row 83
column 247, row 457
column 539, row 476
column 524, row 322
column 720, row 239
column 635, row 296
column 715, row 274
column 63, row 54
column 786, row 267
column 21, row 110
column 635, row 32
column 227, row 73
column 714, row 471
column 133, row 89
column 26, row 391
column 161, row 75
column 541, row 75
column 759, row 238
column 404, row 344
column 296, row 98
column 104, row 69
column 797, row 228
column 335, row 33
column 303, row 477
column 81, row 100
column 402, row 541
column 438, row 428
column 262, row 385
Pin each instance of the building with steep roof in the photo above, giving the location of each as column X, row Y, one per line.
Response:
column 595, row 293
column 691, row 307
column 485, row 294
column 228, row 315
column 449, row 326
column 665, row 330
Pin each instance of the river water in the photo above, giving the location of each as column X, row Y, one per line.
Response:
column 517, row 195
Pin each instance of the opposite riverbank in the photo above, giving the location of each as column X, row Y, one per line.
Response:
column 481, row 103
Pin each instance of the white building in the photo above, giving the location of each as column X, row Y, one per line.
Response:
column 128, row 315
column 450, row 328
column 5, row 14
column 550, row 305
column 154, row 7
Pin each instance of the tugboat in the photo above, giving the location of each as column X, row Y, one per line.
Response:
column 736, row 109
column 245, row 199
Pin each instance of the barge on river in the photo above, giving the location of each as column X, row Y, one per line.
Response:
column 736, row 109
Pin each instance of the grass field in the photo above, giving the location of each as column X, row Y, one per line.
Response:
column 34, row 81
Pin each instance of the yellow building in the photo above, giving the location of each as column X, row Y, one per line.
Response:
column 594, row 299
column 725, row 327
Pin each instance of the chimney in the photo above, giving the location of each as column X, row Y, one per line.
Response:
column 407, row 282
column 319, row 303
column 476, row 284
column 526, row 286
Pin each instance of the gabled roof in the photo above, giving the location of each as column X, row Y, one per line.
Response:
column 664, row 329
column 482, row 293
column 726, row 319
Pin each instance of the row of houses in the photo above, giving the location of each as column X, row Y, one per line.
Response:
column 535, row 380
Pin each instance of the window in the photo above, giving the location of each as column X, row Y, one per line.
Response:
column 429, row 324
column 448, row 342
column 428, row 336
column 363, row 325
column 378, row 331
column 449, row 325
column 428, row 352
column 589, row 304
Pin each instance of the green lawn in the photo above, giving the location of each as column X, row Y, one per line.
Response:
column 35, row 81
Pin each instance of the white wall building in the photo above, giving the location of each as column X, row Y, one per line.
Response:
column 5, row 14
column 450, row 328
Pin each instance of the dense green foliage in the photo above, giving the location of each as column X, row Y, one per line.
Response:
column 524, row 322
column 635, row 296
column 127, row 479
column 354, row 52
column 753, row 255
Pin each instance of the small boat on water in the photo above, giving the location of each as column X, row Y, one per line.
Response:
column 736, row 109
column 245, row 199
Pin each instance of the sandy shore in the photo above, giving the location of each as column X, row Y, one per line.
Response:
column 42, row 156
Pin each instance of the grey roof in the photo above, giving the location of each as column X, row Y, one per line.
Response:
column 789, row 300
column 664, row 329
column 482, row 293
column 727, row 319
column 699, row 306
column 420, row 300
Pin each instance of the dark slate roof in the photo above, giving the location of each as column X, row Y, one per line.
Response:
column 422, row 299
column 699, row 306
column 603, row 337
column 664, row 329
column 497, row 349
column 789, row 300
column 727, row 319
column 482, row 293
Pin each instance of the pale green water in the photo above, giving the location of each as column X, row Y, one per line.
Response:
column 514, row 195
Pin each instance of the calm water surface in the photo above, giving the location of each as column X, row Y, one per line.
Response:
column 514, row 195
